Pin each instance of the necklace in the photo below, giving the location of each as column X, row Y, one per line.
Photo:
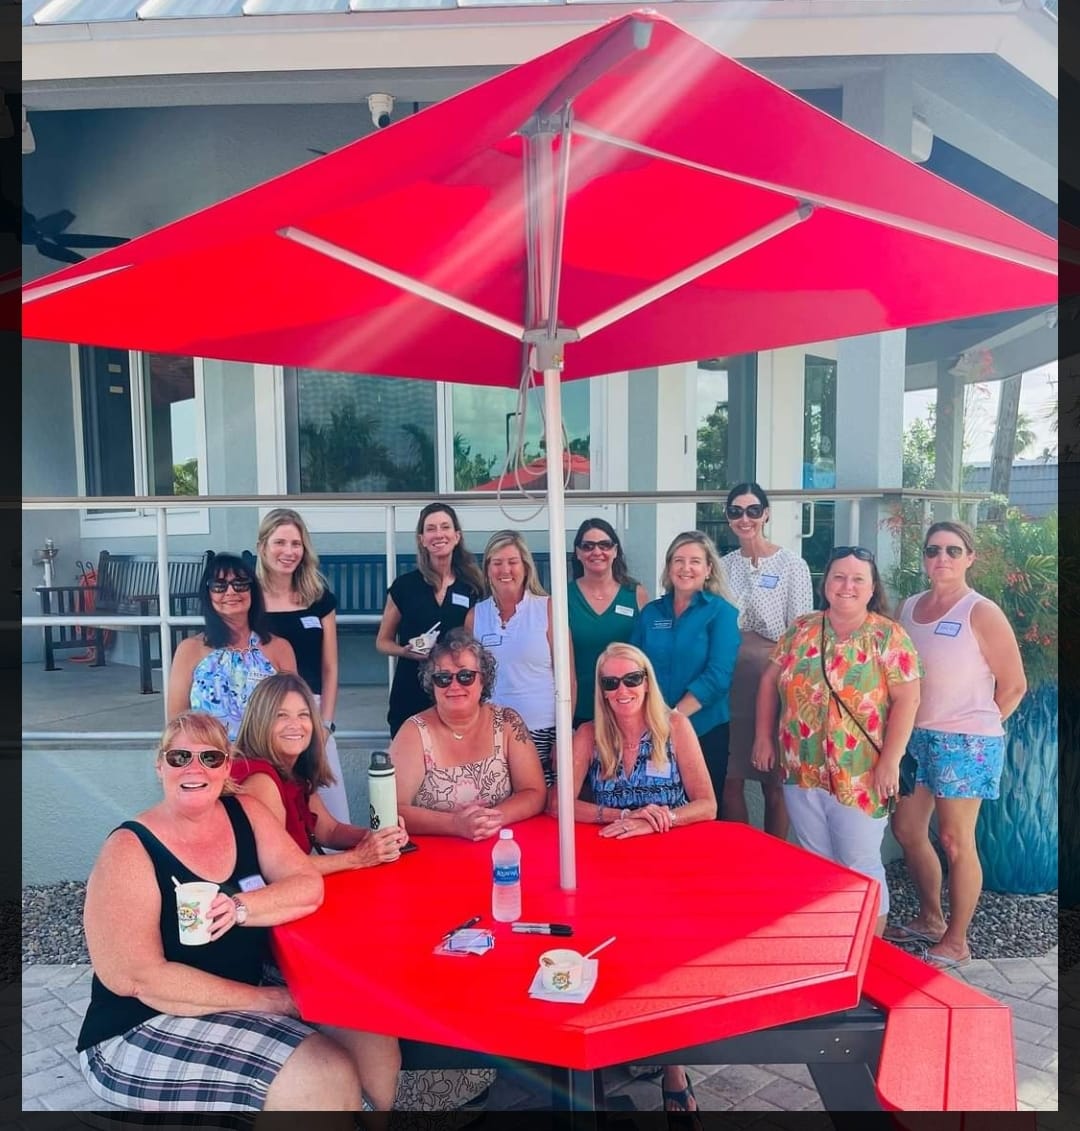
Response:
column 461, row 737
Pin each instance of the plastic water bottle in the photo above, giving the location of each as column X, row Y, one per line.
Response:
column 506, row 878
column 382, row 791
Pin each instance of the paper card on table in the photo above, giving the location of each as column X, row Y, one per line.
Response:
column 467, row 942
column 588, row 984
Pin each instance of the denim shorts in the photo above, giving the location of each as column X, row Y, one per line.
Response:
column 958, row 765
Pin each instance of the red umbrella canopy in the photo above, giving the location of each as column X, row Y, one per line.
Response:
column 676, row 153
column 533, row 476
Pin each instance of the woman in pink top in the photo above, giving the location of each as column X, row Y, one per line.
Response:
column 974, row 680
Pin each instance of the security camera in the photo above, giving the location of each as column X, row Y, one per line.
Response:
column 381, row 107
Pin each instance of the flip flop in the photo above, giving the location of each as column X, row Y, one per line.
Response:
column 944, row 962
column 900, row 933
column 683, row 1116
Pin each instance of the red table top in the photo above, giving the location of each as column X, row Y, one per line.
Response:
column 720, row 930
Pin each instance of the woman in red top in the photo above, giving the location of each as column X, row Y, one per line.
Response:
column 281, row 760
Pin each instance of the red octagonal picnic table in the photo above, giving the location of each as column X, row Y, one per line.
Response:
column 720, row 931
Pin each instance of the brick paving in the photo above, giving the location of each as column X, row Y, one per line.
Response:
column 54, row 999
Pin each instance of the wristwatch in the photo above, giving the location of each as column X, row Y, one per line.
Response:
column 330, row 726
column 241, row 910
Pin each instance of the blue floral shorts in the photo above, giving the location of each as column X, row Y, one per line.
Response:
column 958, row 765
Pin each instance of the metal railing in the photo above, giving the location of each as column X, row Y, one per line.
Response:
column 390, row 503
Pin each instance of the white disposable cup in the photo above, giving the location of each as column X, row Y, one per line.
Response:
column 193, row 910
column 561, row 971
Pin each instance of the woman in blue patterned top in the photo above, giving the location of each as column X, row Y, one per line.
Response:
column 647, row 773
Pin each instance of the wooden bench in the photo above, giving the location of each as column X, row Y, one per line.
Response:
column 127, row 585
column 947, row 1045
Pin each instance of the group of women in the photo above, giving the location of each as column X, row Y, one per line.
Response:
column 727, row 678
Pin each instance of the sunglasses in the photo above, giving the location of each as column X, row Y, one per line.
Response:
column 239, row 585
column 857, row 552
column 954, row 552
column 754, row 510
column 465, row 677
column 211, row 759
column 631, row 679
column 602, row 544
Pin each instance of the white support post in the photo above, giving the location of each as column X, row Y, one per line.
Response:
column 164, row 607
column 391, row 576
column 853, row 522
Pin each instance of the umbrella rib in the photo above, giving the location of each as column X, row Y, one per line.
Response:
column 32, row 293
column 891, row 219
column 748, row 242
column 405, row 282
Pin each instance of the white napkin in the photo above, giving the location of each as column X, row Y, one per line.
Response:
column 588, row 983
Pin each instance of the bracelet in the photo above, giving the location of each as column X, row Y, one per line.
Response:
column 599, row 814
column 672, row 810
column 624, row 814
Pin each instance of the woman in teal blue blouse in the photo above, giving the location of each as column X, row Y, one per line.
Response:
column 691, row 636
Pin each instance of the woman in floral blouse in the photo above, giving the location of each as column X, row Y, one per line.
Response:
column 846, row 681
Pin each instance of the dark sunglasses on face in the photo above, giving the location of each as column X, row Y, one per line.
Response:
column 211, row 759
column 754, row 510
column 239, row 584
column 631, row 679
column 954, row 552
column 465, row 677
column 603, row 544
column 857, row 552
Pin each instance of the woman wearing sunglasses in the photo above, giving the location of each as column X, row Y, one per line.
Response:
column 691, row 635
column 772, row 587
column 281, row 759
column 173, row 1027
column 604, row 602
column 301, row 609
column 974, row 681
column 846, row 682
column 465, row 767
column 217, row 671
column 647, row 774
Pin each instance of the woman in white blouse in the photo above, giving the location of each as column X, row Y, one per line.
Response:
column 772, row 587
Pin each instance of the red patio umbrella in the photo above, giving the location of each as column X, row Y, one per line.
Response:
column 631, row 198
column 533, row 476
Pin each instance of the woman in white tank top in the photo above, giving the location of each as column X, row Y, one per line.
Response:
column 974, row 679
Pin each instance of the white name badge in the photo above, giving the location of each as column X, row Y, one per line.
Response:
column 652, row 771
column 252, row 883
column 491, row 640
column 311, row 622
column 624, row 610
column 459, row 599
column 768, row 581
column 661, row 624
column 948, row 628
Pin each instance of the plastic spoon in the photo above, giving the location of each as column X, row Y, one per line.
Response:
column 596, row 949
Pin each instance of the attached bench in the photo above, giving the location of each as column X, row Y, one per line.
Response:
column 947, row 1045
column 127, row 585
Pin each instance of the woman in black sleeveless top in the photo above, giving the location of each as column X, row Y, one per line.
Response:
column 178, row 1027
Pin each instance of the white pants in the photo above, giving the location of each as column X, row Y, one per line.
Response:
column 839, row 832
column 333, row 796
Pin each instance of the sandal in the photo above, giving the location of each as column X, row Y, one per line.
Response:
column 683, row 1116
column 902, row 933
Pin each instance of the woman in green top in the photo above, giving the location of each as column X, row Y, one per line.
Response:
column 603, row 603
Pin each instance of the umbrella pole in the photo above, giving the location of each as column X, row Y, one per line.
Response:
column 560, row 627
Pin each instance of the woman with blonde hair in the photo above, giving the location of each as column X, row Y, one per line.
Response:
column 514, row 623
column 425, row 604
column 301, row 609
column 647, row 774
column 281, row 760
column 691, row 635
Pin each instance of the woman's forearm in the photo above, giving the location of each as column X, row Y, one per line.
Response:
column 433, row 822
column 703, row 809
column 898, row 729
column 522, row 804
column 184, row 991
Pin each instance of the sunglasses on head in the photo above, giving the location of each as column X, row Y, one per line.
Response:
column 239, row 585
column 858, row 552
column 631, row 679
column 754, row 510
column 602, row 544
column 211, row 759
column 465, row 677
column 954, row 552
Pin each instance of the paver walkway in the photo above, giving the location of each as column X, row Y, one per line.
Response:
column 55, row 998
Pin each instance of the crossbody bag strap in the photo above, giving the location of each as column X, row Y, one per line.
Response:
column 840, row 703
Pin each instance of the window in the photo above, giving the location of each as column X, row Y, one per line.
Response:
column 140, row 423
column 819, row 454
column 352, row 433
column 485, row 428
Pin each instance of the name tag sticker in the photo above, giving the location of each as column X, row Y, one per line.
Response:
column 768, row 581
column 459, row 599
column 491, row 640
column 948, row 628
column 652, row 771
column 624, row 610
column 311, row 622
column 252, row 883
column 661, row 624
